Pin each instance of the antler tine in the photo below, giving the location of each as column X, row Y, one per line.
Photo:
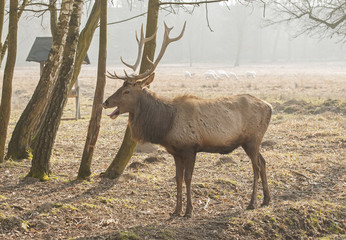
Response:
column 151, row 62
column 114, row 76
column 180, row 35
column 141, row 34
column 133, row 67
column 167, row 41
column 128, row 77
column 167, row 29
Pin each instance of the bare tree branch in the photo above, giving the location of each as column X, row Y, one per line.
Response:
column 317, row 18
column 128, row 19
column 207, row 17
column 191, row 3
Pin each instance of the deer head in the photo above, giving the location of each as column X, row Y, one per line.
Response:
column 126, row 97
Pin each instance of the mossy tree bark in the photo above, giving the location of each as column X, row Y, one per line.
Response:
column 19, row 145
column 21, row 142
column 94, row 124
column 127, row 147
column 5, row 106
column 47, row 133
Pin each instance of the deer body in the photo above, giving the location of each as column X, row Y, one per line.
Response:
column 187, row 125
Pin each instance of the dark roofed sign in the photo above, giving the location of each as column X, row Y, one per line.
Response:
column 40, row 50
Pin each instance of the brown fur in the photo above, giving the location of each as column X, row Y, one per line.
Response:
column 188, row 124
column 152, row 120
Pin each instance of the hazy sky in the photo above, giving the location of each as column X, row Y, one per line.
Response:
column 230, row 26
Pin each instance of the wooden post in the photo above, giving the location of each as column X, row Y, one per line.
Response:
column 41, row 67
column 77, row 100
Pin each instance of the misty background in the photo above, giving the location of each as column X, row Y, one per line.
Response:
column 234, row 29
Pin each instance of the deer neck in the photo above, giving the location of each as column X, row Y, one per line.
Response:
column 152, row 119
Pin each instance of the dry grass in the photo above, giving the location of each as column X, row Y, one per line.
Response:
column 304, row 148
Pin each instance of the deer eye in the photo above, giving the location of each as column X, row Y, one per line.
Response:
column 126, row 92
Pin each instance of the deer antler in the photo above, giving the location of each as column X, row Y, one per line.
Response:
column 141, row 43
column 134, row 67
column 166, row 41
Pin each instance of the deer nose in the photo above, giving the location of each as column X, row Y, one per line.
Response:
column 104, row 105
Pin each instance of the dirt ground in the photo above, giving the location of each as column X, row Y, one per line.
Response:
column 305, row 149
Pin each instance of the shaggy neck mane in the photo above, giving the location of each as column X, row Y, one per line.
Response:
column 152, row 119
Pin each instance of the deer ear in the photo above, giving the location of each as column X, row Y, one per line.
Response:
column 147, row 81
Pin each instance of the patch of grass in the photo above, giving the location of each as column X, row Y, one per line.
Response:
column 12, row 164
column 89, row 205
column 108, row 200
column 297, row 220
column 2, row 197
column 224, row 181
column 69, row 206
column 166, row 234
column 127, row 235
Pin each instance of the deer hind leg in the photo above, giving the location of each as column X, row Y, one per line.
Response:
column 266, row 198
column 252, row 150
column 189, row 163
column 179, row 166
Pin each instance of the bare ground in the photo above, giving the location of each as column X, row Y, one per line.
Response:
column 304, row 149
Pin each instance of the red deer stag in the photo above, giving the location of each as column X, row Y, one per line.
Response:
column 187, row 125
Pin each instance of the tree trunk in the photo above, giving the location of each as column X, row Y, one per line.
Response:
column 47, row 133
column 275, row 45
column 5, row 106
column 53, row 18
column 241, row 16
column 19, row 145
column 127, row 147
column 94, row 125
column 85, row 39
column 2, row 15
column 239, row 45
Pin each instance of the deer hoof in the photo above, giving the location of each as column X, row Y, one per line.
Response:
column 188, row 215
column 266, row 201
column 175, row 214
column 265, row 204
column 250, row 207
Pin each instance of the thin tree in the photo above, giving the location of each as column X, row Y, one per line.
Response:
column 2, row 16
column 47, row 133
column 5, row 106
column 94, row 124
column 116, row 168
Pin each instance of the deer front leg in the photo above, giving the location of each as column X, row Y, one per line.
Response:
column 189, row 163
column 179, row 166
